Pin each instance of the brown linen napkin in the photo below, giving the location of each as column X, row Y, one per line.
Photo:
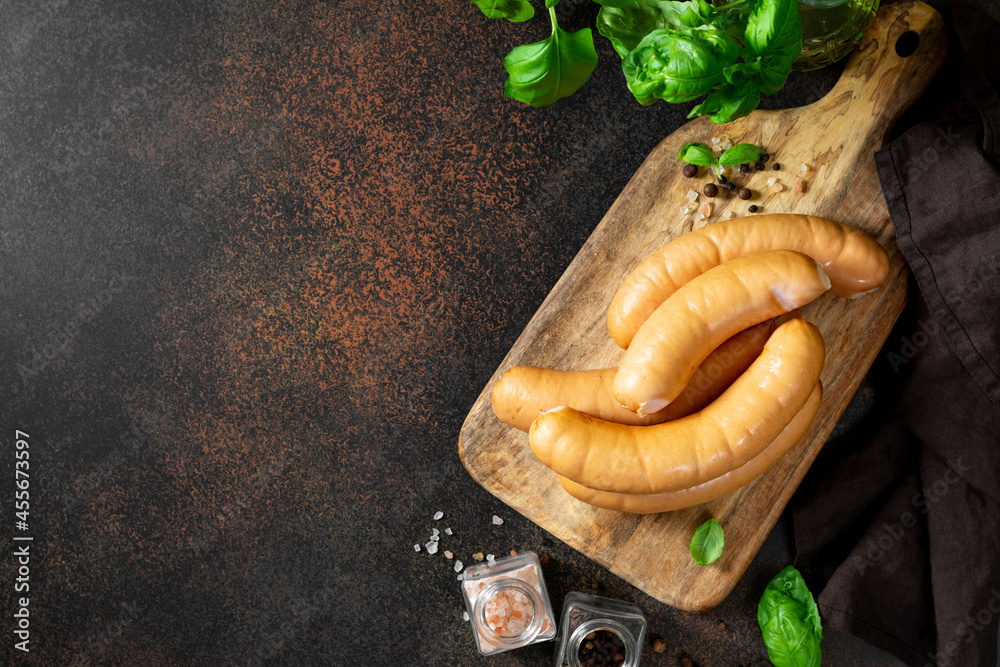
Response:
column 900, row 516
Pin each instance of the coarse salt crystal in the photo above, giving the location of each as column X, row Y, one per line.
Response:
column 490, row 558
column 497, row 521
column 449, row 555
column 432, row 547
column 772, row 180
column 438, row 515
column 416, row 547
column 804, row 167
column 435, row 531
column 465, row 615
column 726, row 215
column 706, row 209
column 715, row 140
column 692, row 195
column 699, row 217
column 726, row 145
column 684, row 210
column 435, row 538
column 716, row 148
column 777, row 187
column 458, row 566
column 799, row 186
column 447, row 531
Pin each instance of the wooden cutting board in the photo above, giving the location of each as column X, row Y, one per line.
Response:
column 837, row 137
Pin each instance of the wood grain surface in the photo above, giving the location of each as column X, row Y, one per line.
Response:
column 837, row 137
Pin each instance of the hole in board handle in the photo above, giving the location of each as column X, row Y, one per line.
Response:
column 907, row 44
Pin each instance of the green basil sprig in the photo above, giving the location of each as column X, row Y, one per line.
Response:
column 707, row 542
column 789, row 621
column 555, row 67
column 514, row 11
column 701, row 155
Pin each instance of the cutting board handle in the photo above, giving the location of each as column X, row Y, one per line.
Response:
column 893, row 65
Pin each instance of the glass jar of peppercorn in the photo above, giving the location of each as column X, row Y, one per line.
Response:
column 599, row 632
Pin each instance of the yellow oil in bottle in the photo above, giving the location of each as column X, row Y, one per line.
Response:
column 831, row 28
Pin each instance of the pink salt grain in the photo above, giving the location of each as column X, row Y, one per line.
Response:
column 777, row 187
column 705, row 209
column 799, row 186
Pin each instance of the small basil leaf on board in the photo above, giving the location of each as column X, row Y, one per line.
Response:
column 773, row 24
column 514, row 11
column 697, row 154
column 677, row 67
column 553, row 68
column 739, row 154
column 549, row 4
column 789, row 621
column 707, row 542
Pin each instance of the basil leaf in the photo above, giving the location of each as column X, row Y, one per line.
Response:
column 739, row 154
column 677, row 67
column 773, row 25
column 789, row 621
column 514, row 11
column 555, row 67
column 728, row 102
column 697, row 154
column 707, row 542
column 626, row 25
column 549, row 4
column 776, row 65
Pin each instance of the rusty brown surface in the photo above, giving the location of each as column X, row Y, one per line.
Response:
column 258, row 261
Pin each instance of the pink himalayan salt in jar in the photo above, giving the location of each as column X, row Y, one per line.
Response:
column 508, row 603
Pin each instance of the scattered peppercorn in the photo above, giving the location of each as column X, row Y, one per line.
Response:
column 744, row 168
column 659, row 646
column 723, row 180
column 744, row 193
column 710, row 189
column 544, row 559
column 765, row 157
column 759, row 166
column 684, row 660
column 753, row 208
column 690, row 170
column 776, row 166
column 730, row 186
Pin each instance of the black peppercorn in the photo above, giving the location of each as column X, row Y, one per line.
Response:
column 744, row 168
column 723, row 180
column 776, row 166
column 690, row 170
column 765, row 157
column 759, row 166
column 744, row 193
column 753, row 208
column 730, row 186
column 710, row 189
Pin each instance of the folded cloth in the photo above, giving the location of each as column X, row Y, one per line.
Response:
column 899, row 519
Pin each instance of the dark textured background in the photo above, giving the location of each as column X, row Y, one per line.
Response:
column 257, row 260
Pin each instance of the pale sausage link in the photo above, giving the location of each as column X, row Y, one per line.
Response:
column 692, row 450
column 695, row 320
column 523, row 392
column 712, row 489
column 855, row 262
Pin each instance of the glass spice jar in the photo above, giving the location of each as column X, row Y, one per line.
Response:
column 599, row 632
column 508, row 603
